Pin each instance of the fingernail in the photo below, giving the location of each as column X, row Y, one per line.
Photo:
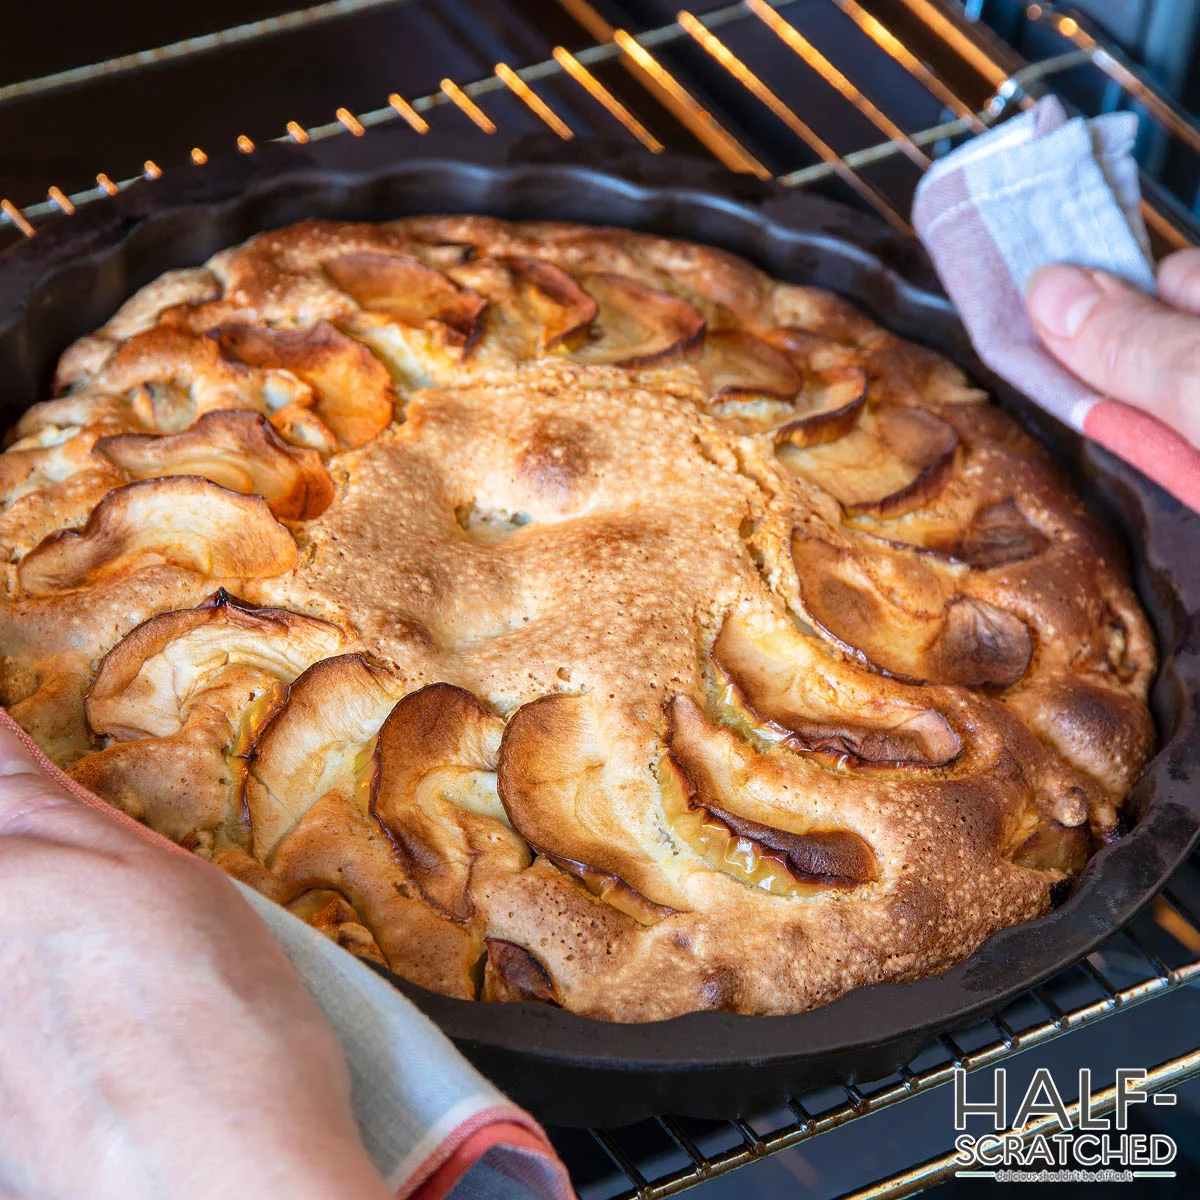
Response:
column 1060, row 299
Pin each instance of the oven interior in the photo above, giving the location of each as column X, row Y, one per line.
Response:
column 852, row 98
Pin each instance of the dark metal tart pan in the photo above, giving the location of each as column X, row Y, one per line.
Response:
column 568, row 1069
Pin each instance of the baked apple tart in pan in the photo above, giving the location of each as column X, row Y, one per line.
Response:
column 562, row 614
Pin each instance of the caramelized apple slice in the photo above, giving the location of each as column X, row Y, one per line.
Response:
column 1056, row 848
column 433, row 792
column 330, row 913
column 511, row 974
column 636, row 326
column 699, row 790
column 183, row 521
column 743, row 374
column 410, row 293
column 338, row 845
column 318, row 742
column 999, row 536
column 557, row 306
column 236, row 449
column 353, row 388
column 187, row 784
column 86, row 357
column 944, row 637
column 44, row 460
column 168, row 377
column 182, row 697
column 144, row 683
column 893, row 461
column 534, row 307
column 550, row 781
column 775, row 683
column 828, row 408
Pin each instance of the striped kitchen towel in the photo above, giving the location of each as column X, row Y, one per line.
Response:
column 435, row 1128
column 1042, row 189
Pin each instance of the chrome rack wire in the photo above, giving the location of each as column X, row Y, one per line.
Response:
column 1158, row 954
column 640, row 55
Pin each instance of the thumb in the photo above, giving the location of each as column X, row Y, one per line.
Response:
column 1123, row 343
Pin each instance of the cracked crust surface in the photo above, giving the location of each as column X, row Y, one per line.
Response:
column 569, row 615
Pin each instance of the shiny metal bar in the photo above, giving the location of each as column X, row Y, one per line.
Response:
column 1172, row 1073
column 513, row 81
column 594, row 88
column 749, row 80
column 1075, row 27
column 1011, row 1041
column 468, row 106
column 891, row 45
column 175, row 51
column 690, row 112
column 814, row 59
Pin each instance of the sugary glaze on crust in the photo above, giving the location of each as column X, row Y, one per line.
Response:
column 569, row 615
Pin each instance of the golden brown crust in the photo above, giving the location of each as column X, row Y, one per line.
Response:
column 618, row 628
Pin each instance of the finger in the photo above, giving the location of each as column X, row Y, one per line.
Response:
column 1124, row 344
column 1179, row 279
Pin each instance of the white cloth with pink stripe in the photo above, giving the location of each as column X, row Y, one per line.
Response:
column 1037, row 190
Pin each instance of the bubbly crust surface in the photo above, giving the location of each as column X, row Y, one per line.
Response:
column 568, row 615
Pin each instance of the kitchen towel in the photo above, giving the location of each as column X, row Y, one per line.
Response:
column 435, row 1128
column 1042, row 189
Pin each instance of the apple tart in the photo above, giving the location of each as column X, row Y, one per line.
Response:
column 567, row 615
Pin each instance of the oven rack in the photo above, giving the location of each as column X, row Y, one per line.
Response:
column 1012, row 85
column 1157, row 954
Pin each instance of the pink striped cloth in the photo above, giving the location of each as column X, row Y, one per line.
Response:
column 1042, row 189
column 435, row 1128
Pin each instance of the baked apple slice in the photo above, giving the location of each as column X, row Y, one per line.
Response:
column 747, row 377
column 354, row 396
column 551, row 782
column 338, row 845
column 408, row 292
column 182, row 521
column 559, row 308
column 534, row 307
column 318, row 742
column 187, row 785
column 143, row 684
column 512, row 974
column 699, row 778
column 636, row 326
column 47, row 458
column 893, row 460
column 330, row 913
column 776, row 684
column 238, row 450
column 1053, row 847
column 999, row 535
column 183, row 697
column 828, row 407
column 169, row 376
column 433, row 792
column 940, row 635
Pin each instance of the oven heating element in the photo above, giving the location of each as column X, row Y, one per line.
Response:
column 667, row 77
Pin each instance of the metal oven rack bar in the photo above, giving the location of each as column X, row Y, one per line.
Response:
column 975, row 81
column 1157, row 955
column 1012, row 85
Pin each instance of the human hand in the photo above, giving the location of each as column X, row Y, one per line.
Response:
column 154, row 1040
column 1125, row 344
